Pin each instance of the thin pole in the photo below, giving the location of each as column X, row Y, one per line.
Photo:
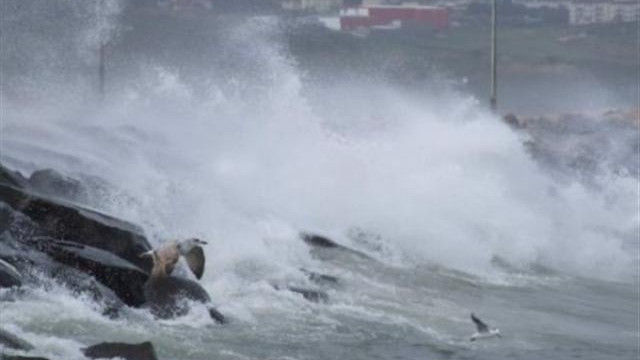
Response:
column 493, row 100
column 101, row 50
column 101, row 71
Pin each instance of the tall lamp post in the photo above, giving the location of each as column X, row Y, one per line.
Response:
column 493, row 99
column 101, row 49
column 101, row 70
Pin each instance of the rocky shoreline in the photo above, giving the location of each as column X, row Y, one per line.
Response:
column 46, row 234
column 87, row 251
column 582, row 146
column 44, row 231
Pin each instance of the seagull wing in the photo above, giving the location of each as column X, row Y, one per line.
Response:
column 195, row 259
column 482, row 327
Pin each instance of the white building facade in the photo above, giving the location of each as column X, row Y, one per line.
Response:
column 598, row 12
column 311, row 5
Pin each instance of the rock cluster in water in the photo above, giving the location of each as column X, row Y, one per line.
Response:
column 583, row 146
column 42, row 231
column 142, row 351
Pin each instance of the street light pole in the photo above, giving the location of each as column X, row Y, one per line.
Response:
column 101, row 71
column 101, row 50
column 493, row 100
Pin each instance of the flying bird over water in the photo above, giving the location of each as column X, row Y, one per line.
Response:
column 166, row 257
column 482, row 330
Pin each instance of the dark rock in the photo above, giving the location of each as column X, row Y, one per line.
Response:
column 23, row 245
column 81, row 283
column 52, row 183
column 63, row 220
column 14, row 294
column 20, row 226
column 322, row 242
column 18, row 357
column 217, row 316
column 11, row 341
column 12, row 178
column 583, row 147
column 9, row 276
column 24, row 259
column 309, row 294
column 108, row 278
column 319, row 241
column 6, row 216
column 142, row 351
column 320, row 278
column 166, row 296
column 86, row 250
column 124, row 278
column 514, row 122
column 33, row 264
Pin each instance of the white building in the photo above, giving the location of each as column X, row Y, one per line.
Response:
column 626, row 11
column 311, row 5
column 596, row 12
column 536, row 4
column 186, row 4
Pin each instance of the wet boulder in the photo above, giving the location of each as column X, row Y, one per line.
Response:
column 62, row 220
column 20, row 357
column 584, row 146
column 12, row 178
column 316, row 240
column 32, row 264
column 514, row 122
column 125, row 279
column 81, row 283
column 11, row 341
column 167, row 297
column 217, row 316
column 9, row 276
column 110, row 350
column 51, row 183
column 104, row 276
column 108, row 278
column 323, row 242
column 320, row 279
column 83, row 248
column 317, row 296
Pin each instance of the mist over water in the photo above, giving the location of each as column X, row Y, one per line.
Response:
column 237, row 145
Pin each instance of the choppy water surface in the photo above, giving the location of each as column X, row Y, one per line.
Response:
column 235, row 144
column 377, row 312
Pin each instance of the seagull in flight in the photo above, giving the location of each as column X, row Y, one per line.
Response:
column 482, row 330
column 166, row 257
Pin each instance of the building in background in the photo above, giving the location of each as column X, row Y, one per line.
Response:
column 186, row 4
column 626, row 11
column 311, row 5
column 393, row 16
column 599, row 12
column 537, row 4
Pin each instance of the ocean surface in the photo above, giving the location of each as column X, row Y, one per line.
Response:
column 446, row 211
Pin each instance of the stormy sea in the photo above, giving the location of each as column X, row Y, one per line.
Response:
column 351, row 210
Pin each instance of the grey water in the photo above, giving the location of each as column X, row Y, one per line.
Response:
column 216, row 127
column 376, row 312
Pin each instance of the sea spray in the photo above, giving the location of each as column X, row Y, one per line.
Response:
column 443, row 183
column 219, row 132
